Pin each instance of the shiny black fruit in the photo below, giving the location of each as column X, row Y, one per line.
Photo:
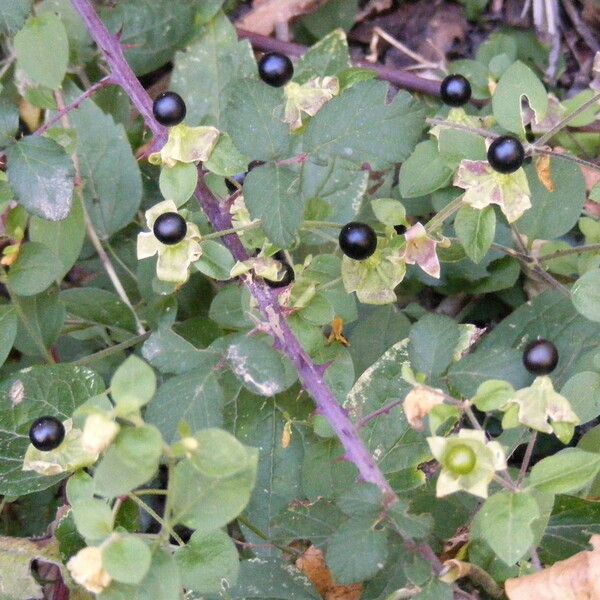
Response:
column 169, row 109
column 170, row 228
column 275, row 69
column 540, row 357
column 455, row 90
column 506, row 154
column 358, row 240
column 47, row 433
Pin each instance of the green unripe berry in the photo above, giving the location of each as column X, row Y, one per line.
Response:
column 460, row 459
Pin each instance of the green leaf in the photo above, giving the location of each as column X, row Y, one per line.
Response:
column 356, row 125
column 42, row 50
column 225, row 159
column 389, row 211
column 356, row 551
column 13, row 14
column 195, row 398
column 204, row 73
column 493, row 395
column 572, row 522
column 131, row 460
column 218, row 454
column 8, row 330
column 216, row 261
column 133, row 384
column 271, row 194
column 328, row 57
column 9, row 124
column 208, row 562
column 93, row 518
column 476, row 230
column 517, row 82
column 335, row 13
column 553, row 214
column 126, row 559
column 151, row 30
column 412, row 184
column 230, row 308
column 41, row 175
column 456, row 145
column 583, row 392
column 504, row 522
column 178, row 183
column 586, row 295
column 112, row 180
column 208, row 503
column 63, row 238
column 34, row 271
column 253, row 117
column 16, row 578
column 26, row 395
column 433, row 341
column 98, row 307
column 566, row 471
column 257, row 365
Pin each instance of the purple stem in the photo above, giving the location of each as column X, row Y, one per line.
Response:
column 100, row 85
column 384, row 410
column 311, row 375
column 121, row 72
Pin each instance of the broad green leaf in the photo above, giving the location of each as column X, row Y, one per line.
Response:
column 329, row 56
column 566, row 471
column 26, row 395
column 553, row 214
column 9, row 125
column 112, row 180
column 93, row 518
column 225, row 159
column 13, row 14
column 583, row 393
column 411, row 182
column 204, row 73
column 356, row 551
column 571, row 523
column 41, row 318
column 208, row 562
column 218, row 453
column 34, row 271
column 151, row 30
column 230, row 308
column 98, row 307
column 195, row 398
column 8, row 330
column 433, row 342
column 504, row 522
column 456, row 145
column 476, row 230
column 389, row 211
column 41, row 175
column 517, row 82
column 356, row 125
column 253, row 117
column 208, row 503
column 16, row 578
column 126, row 559
column 257, row 365
column 586, row 295
column 178, row 183
column 271, row 194
column 476, row 73
column 131, row 460
column 133, row 384
column 42, row 50
column 216, row 260
column 336, row 13
column 64, row 238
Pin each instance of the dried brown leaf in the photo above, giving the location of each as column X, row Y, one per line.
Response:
column 544, row 172
column 267, row 14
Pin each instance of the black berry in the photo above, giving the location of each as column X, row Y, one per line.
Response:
column 169, row 109
column 540, row 357
column 47, row 433
column 170, row 228
column 358, row 240
column 400, row 229
column 275, row 69
column 239, row 179
column 288, row 277
column 506, row 154
column 455, row 90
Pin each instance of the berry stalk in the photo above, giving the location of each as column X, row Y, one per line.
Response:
column 311, row 375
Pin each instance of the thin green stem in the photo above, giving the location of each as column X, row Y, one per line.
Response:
column 527, row 457
column 233, row 230
column 569, row 252
column 169, row 501
column 321, row 224
column 150, row 492
column 165, row 526
column 261, row 534
column 566, row 120
column 112, row 349
column 566, row 156
column 330, row 284
column 438, row 220
column 475, row 130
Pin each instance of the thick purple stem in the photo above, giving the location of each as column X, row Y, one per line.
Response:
column 310, row 374
column 121, row 72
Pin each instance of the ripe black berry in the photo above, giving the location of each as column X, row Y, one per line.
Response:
column 169, row 109
column 400, row 229
column 455, row 90
column 47, row 433
column 275, row 69
column 170, row 228
column 540, row 357
column 358, row 240
column 288, row 277
column 506, row 154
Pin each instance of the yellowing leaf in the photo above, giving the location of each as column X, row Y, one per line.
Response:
column 544, row 172
column 187, row 145
column 309, row 98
